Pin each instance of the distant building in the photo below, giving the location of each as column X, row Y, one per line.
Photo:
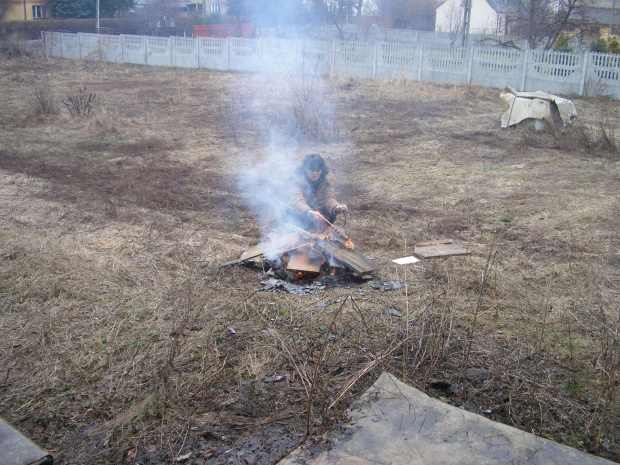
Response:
column 487, row 16
column 26, row 10
column 605, row 13
column 199, row 7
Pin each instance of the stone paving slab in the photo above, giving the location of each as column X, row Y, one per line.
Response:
column 395, row 424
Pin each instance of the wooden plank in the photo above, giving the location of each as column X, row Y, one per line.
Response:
column 441, row 248
column 351, row 259
column 280, row 244
column 305, row 260
column 437, row 242
column 359, row 263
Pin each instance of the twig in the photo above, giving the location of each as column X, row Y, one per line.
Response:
column 318, row 364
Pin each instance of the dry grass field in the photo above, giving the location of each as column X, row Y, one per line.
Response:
column 123, row 341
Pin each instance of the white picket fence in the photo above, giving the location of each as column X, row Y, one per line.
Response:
column 558, row 73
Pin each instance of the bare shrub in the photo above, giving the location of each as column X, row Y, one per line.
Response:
column 43, row 101
column 11, row 48
column 597, row 141
column 594, row 88
column 314, row 118
column 80, row 104
column 106, row 122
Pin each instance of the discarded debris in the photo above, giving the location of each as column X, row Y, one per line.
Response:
column 537, row 105
column 394, row 312
column 273, row 379
column 440, row 248
column 276, row 284
column 183, row 458
column 231, row 330
column 388, row 285
column 406, row 260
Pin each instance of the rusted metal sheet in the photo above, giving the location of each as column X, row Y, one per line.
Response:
column 440, row 248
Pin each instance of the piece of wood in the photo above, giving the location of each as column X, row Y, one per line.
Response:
column 437, row 242
column 275, row 247
column 281, row 244
column 440, row 248
column 305, row 260
column 353, row 260
column 359, row 263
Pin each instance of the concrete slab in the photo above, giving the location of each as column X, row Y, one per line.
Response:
column 395, row 424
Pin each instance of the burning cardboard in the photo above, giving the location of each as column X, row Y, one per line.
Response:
column 307, row 255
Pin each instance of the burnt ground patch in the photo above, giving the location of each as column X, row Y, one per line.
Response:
column 156, row 183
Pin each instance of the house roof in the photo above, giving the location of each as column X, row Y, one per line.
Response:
column 603, row 16
column 499, row 6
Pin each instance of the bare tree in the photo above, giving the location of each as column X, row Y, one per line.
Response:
column 4, row 7
column 408, row 14
column 541, row 22
column 154, row 16
column 452, row 21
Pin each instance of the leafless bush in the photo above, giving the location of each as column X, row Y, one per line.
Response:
column 43, row 101
column 80, row 104
column 594, row 88
column 314, row 117
column 597, row 141
column 12, row 48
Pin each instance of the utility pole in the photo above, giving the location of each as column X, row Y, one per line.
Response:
column 611, row 20
column 466, row 21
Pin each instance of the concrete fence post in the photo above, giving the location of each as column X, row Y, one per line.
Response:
column 295, row 55
column 582, row 84
column 146, row 51
column 420, row 60
column 121, row 44
column 333, row 57
column 374, row 60
column 80, row 45
column 171, row 42
column 197, row 39
column 524, row 71
column 228, row 53
column 60, row 34
column 261, row 64
column 470, row 65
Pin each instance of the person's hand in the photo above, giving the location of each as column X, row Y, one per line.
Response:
column 342, row 208
column 314, row 215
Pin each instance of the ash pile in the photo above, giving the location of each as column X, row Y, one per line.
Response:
column 303, row 262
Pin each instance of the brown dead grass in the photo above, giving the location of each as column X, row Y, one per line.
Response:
column 114, row 314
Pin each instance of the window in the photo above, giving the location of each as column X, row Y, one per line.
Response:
column 37, row 11
column 215, row 7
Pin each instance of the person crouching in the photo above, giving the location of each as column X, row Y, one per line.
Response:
column 312, row 196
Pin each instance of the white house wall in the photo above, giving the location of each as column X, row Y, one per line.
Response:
column 484, row 19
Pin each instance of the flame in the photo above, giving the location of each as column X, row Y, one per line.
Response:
column 334, row 271
column 349, row 244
